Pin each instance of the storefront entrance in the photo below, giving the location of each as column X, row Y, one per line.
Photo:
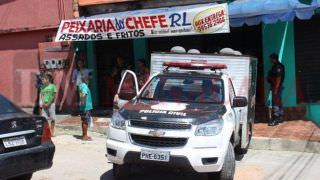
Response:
column 107, row 53
column 247, row 39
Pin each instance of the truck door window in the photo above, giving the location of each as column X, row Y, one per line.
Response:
column 231, row 92
column 128, row 88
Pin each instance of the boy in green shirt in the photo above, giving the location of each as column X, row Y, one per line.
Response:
column 48, row 96
column 85, row 106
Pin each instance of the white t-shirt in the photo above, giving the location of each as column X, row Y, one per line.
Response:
column 78, row 74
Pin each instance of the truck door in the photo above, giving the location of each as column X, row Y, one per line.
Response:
column 236, row 112
column 128, row 89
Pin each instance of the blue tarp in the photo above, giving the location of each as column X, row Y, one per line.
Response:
column 253, row 12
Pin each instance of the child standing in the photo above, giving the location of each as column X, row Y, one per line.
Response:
column 48, row 95
column 85, row 107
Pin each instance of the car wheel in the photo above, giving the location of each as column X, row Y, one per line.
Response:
column 22, row 177
column 121, row 172
column 228, row 167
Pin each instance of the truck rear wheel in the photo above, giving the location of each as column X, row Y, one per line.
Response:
column 121, row 172
column 228, row 168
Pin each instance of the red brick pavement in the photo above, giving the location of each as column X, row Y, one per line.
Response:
column 295, row 130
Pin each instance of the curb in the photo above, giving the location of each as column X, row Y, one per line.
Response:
column 257, row 143
column 278, row 144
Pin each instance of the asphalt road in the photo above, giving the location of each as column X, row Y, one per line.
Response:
column 78, row 160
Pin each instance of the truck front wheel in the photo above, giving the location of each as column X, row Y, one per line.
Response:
column 228, row 168
column 121, row 172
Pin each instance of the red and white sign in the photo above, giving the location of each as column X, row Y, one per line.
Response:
column 174, row 21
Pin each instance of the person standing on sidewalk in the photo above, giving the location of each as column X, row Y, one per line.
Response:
column 38, row 85
column 85, row 107
column 275, row 78
column 77, row 75
column 48, row 95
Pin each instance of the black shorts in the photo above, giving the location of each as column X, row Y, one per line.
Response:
column 85, row 116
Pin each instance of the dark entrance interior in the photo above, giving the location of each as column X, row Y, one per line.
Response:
column 247, row 40
column 307, row 53
column 106, row 54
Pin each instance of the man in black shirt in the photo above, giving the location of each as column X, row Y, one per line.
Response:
column 275, row 78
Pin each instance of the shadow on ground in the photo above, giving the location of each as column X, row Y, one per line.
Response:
column 77, row 137
column 156, row 173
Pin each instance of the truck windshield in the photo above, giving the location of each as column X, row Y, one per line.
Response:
column 184, row 89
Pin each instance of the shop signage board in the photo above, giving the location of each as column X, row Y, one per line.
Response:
column 175, row 21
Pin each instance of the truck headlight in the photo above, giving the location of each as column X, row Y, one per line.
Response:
column 211, row 128
column 117, row 121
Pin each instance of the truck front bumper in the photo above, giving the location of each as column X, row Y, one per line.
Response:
column 200, row 160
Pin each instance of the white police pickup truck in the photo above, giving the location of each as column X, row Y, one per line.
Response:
column 191, row 114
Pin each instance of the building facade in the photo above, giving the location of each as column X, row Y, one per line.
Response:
column 292, row 40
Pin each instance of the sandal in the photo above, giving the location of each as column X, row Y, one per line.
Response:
column 87, row 138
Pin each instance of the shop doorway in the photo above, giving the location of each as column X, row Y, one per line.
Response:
column 246, row 39
column 107, row 53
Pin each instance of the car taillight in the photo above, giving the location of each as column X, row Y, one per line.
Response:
column 46, row 133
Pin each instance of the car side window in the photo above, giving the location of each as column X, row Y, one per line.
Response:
column 231, row 92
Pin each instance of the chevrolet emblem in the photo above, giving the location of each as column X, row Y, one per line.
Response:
column 156, row 133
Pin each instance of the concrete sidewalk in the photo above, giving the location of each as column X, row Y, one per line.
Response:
column 299, row 135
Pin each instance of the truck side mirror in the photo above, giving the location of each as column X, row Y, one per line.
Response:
column 239, row 101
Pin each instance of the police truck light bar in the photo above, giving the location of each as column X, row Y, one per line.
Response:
column 212, row 66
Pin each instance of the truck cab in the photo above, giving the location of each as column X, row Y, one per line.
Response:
column 188, row 116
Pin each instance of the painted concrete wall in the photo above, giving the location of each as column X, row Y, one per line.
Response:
column 18, row 65
column 25, row 24
column 33, row 14
column 92, row 65
column 279, row 38
column 313, row 113
column 140, row 50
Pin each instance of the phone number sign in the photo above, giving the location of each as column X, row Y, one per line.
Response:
column 175, row 21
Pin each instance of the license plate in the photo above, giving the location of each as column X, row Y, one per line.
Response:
column 155, row 155
column 14, row 142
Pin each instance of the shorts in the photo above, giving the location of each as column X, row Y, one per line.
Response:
column 86, row 116
column 50, row 113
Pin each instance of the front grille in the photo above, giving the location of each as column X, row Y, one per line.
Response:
column 159, row 125
column 158, row 141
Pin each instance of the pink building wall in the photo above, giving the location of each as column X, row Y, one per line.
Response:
column 23, row 25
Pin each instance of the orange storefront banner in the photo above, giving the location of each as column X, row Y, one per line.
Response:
column 95, row 2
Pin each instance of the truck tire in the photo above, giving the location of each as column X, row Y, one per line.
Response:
column 238, row 148
column 121, row 172
column 228, row 167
